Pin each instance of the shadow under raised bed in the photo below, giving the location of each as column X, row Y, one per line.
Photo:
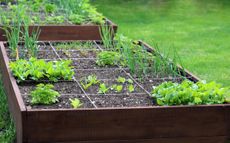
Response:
column 111, row 117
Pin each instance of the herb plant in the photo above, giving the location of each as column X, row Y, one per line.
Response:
column 189, row 93
column 76, row 103
column 44, row 94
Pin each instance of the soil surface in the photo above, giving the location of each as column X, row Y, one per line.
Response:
column 84, row 64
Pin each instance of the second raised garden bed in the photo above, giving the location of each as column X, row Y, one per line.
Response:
column 77, row 21
column 111, row 117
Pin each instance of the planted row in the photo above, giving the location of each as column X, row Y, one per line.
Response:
column 52, row 12
column 189, row 93
column 34, row 69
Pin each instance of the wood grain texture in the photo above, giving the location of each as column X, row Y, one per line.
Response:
column 126, row 124
column 162, row 140
column 17, row 107
column 67, row 32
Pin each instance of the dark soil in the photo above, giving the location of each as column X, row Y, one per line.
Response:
column 61, row 87
column 42, row 54
column 101, row 74
column 77, row 54
column 108, row 75
column 125, row 91
column 122, row 100
column 64, row 102
column 47, row 55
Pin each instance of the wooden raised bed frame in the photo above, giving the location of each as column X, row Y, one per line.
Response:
column 177, row 124
column 67, row 32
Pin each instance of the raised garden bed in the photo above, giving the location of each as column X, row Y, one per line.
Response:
column 111, row 117
column 55, row 23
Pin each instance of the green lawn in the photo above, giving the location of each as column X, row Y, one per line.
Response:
column 198, row 29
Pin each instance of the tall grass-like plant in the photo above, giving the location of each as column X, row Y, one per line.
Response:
column 13, row 32
column 142, row 63
column 106, row 33
column 164, row 64
column 30, row 40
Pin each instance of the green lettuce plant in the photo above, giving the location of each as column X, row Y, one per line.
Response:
column 189, row 93
column 109, row 58
column 44, row 94
column 35, row 69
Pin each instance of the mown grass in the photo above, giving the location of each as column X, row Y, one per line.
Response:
column 197, row 29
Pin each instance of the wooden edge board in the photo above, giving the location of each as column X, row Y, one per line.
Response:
column 15, row 101
column 67, row 32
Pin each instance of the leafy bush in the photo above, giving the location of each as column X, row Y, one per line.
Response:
column 44, row 94
column 39, row 69
column 109, row 58
column 189, row 93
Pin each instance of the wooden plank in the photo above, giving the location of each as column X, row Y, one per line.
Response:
column 125, row 124
column 15, row 101
column 220, row 139
column 227, row 111
column 67, row 32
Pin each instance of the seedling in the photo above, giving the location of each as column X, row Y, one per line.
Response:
column 76, row 103
column 121, row 80
column 130, row 81
column 89, row 81
column 103, row 89
column 44, row 94
column 131, row 88
column 117, row 88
